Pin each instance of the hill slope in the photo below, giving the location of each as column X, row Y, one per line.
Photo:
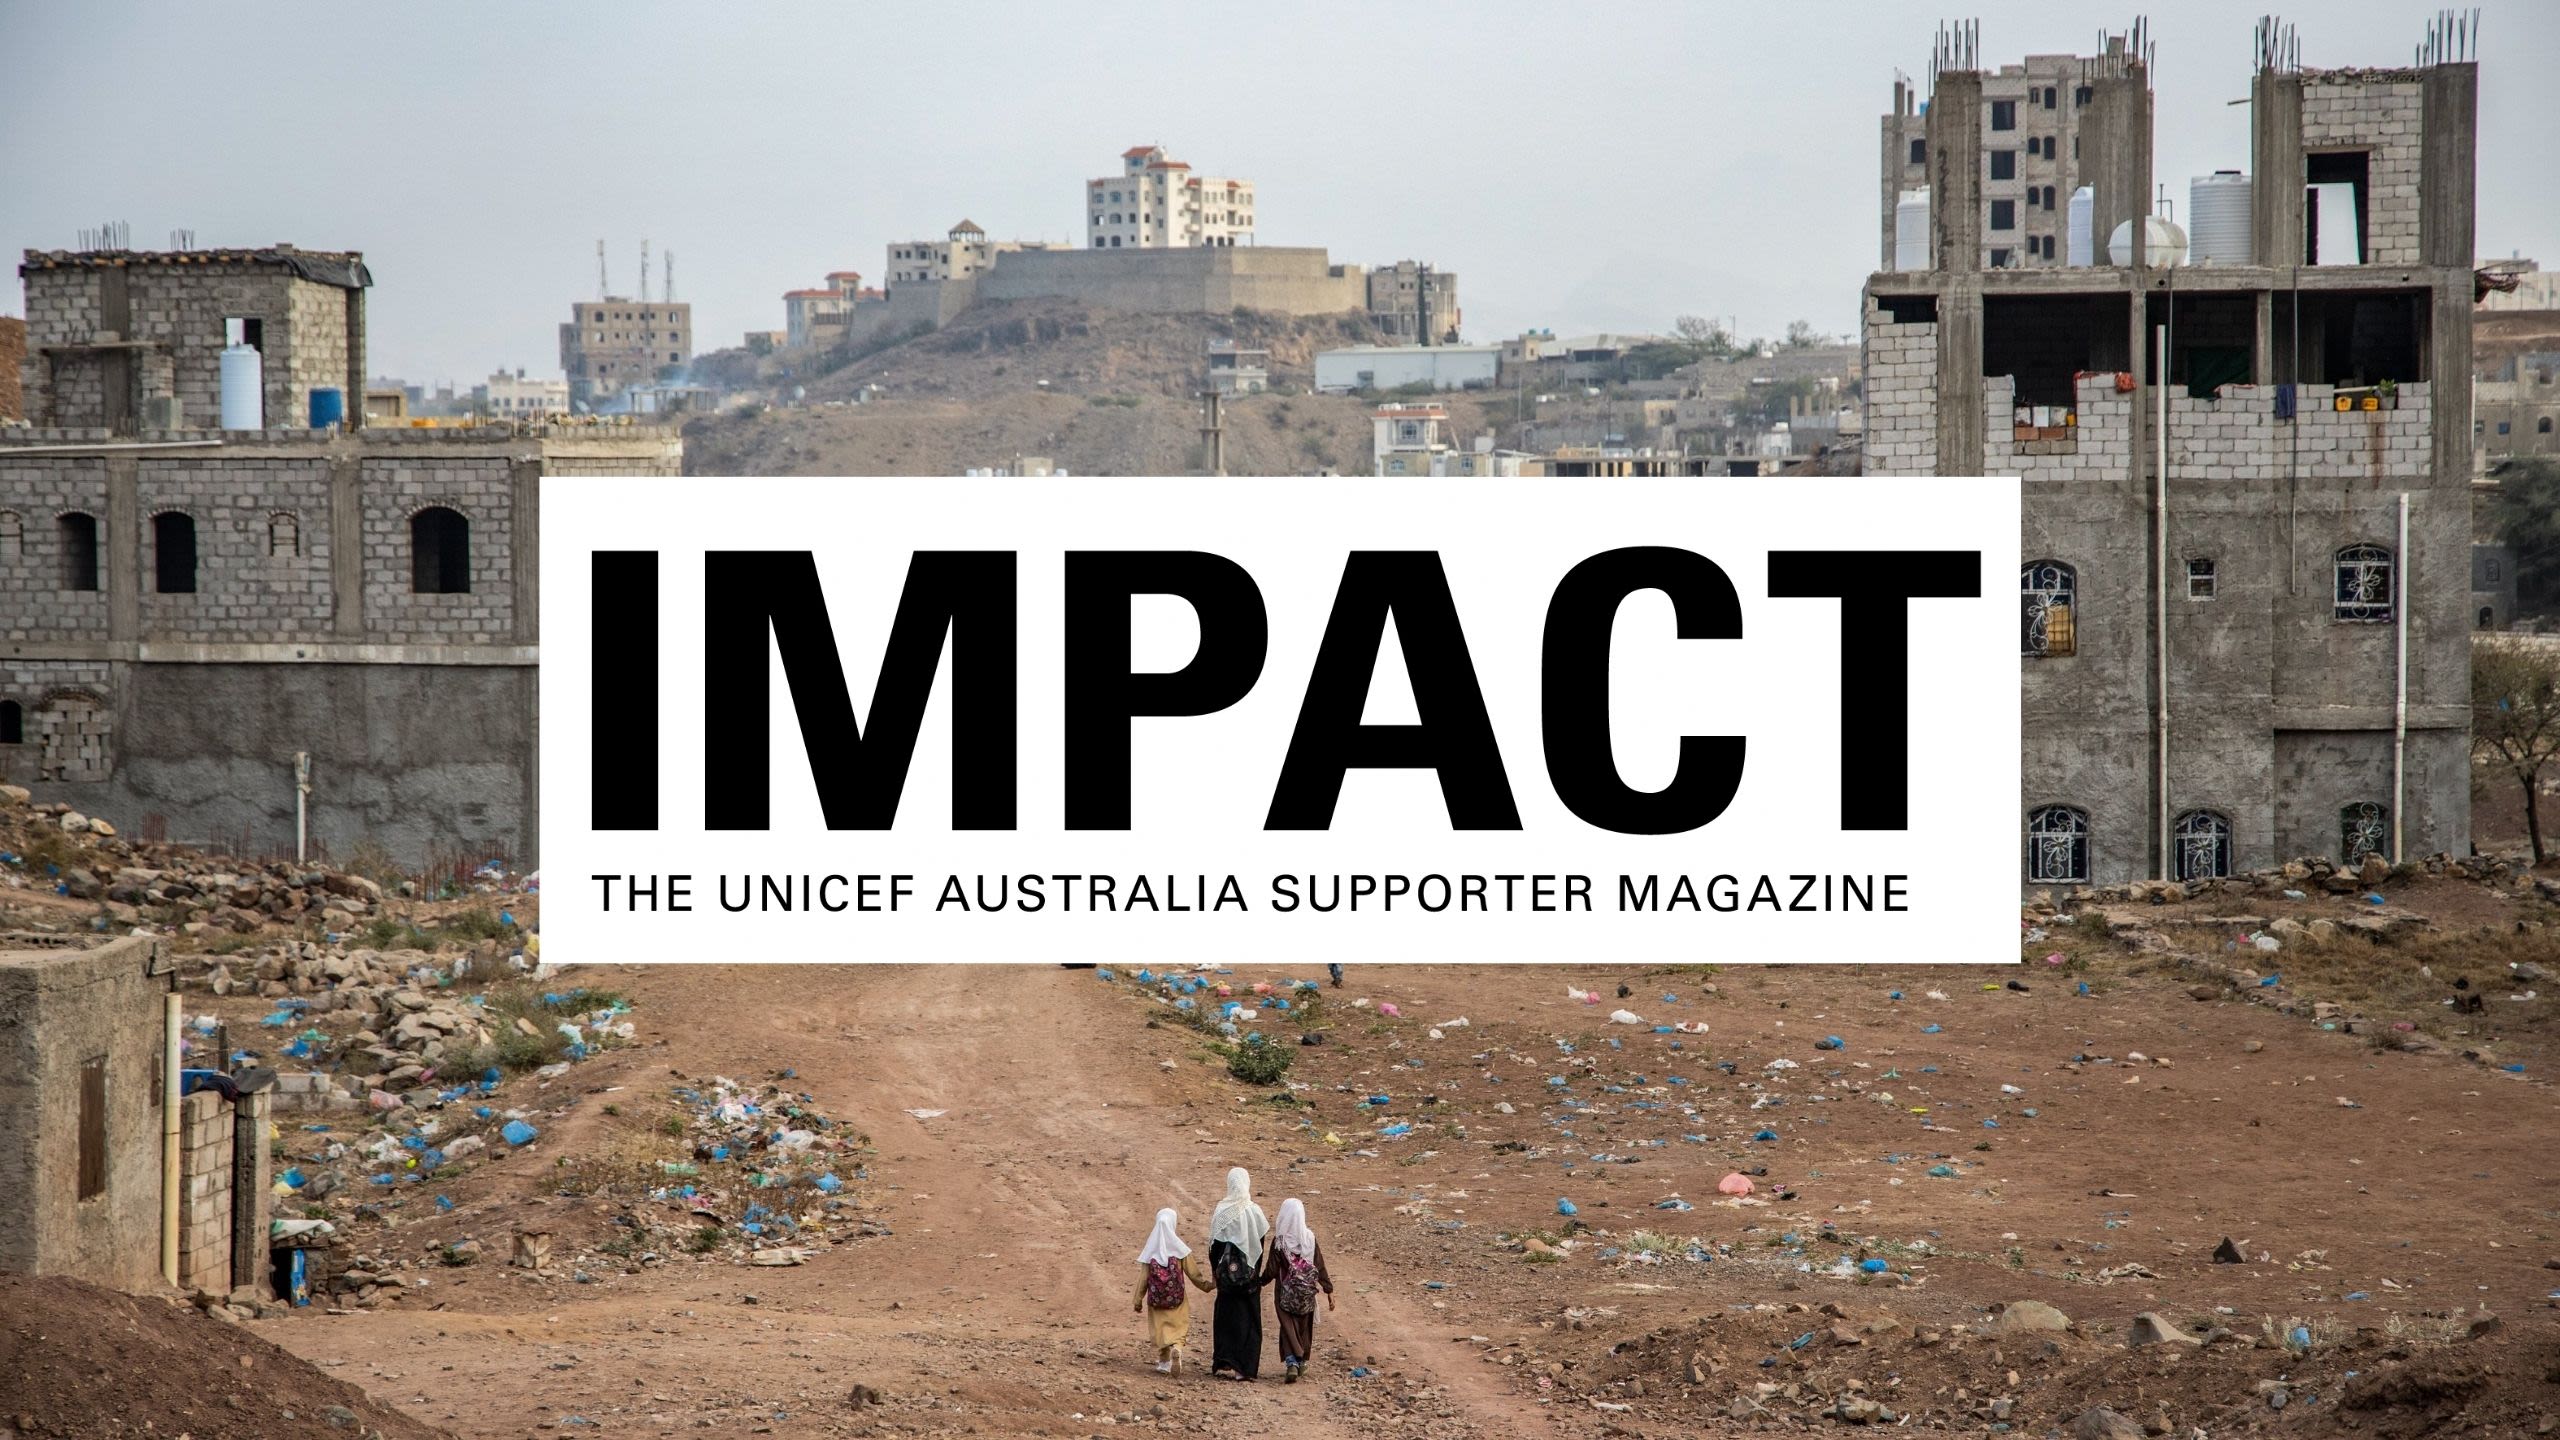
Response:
column 1100, row 392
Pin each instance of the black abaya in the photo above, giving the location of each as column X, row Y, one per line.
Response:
column 1237, row 1326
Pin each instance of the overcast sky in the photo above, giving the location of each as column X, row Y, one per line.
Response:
column 1580, row 166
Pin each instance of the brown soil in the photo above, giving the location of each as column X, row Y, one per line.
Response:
column 995, row 1304
column 79, row 1361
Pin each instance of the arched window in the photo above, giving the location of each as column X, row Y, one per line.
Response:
column 2488, row 618
column 2364, row 584
column 13, row 723
column 2542, row 426
column 173, row 553
column 2057, row 845
column 2047, row 590
column 2364, row 829
column 439, row 552
column 78, row 533
column 284, row 535
column 2204, row 845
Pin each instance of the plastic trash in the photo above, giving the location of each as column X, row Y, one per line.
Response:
column 1942, row 1172
column 518, row 1132
column 1874, row 1267
column 1766, row 1135
column 1567, row 1207
column 1830, row 1042
column 1625, row 1017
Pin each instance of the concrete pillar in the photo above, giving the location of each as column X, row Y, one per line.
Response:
column 1955, row 178
column 122, row 545
column 252, row 1183
column 346, row 547
column 2447, row 179
column 1959, row 413
column 355, row 359
column 2275, row 166
column 2115, row 156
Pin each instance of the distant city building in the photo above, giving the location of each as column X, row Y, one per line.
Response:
column 818, row 316
column 1393, row 367
column 1156, row 203
column 2031, row 120
column 1234, row 370
column 517, row 397
column 610, row 343
column 964, row 252
column 1413, row 304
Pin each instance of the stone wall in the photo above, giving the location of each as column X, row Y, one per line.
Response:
column 263, row 548
column 82, row 1028
column 480, row 490
column 182, row 311
column 39, row 490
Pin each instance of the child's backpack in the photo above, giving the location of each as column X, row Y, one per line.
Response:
column 1298, row 1285
column 1164, row 1284
column 1235, row 1269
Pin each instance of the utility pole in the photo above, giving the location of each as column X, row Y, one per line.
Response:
column 668, row 290
column 604, row 286
column 1213, row 432
column 644, row 272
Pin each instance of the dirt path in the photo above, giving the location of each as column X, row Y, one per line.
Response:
column 999, row 1305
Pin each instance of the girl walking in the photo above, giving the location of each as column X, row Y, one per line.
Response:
column 1297, row 1274
column 1166, row 1274
column 1239, row 1235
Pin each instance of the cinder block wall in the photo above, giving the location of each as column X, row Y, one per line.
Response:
column 204, row 1202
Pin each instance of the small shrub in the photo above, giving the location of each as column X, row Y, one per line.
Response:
column 704, row 1241
column 1258, row 1062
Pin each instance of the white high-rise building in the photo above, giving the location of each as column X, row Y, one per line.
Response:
column 1156, row 203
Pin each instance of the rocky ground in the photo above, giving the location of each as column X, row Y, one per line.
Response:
column 2267, row 1156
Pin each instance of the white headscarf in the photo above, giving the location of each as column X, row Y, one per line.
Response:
column 1239, row 1221
column 1290, row 1231
column 1165, row 1241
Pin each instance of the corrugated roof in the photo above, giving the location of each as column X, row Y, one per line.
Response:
column 342, row 268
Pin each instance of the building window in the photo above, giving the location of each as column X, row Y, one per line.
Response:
column 2084, row 95
column 2488, row 618
column 2542, row 426
column 2204, row 845
column 2004, row 214
column 284, row 536
column 173, row 553
column 13, row 535
column 439, row 552
column 2493, row 570
column 13, row 723
column 2200, row 579
column 2363, row 829
column 2052, row 96
column 2046, row 591
column 79, row 535
column 2057, row 846
column 2000, row 259
column 2004, row 114
column 2502, row 427
column 1919, row 152
column 2364, row 584
column 2004, row 164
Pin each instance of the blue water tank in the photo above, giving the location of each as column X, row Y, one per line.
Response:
column 328, row 406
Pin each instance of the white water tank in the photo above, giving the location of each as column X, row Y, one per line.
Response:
column 2079, row 247
column 1911, row 230
column 244, row 373
column 2163, row 244
column 2218, row 219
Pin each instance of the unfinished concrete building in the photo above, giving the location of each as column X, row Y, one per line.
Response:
column 2244, row 633
column 1413, row 303
column 260, row 639
column 610, row 345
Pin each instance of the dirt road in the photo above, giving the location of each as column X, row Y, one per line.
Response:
column 1000, row 1305
column 1989, row 1145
